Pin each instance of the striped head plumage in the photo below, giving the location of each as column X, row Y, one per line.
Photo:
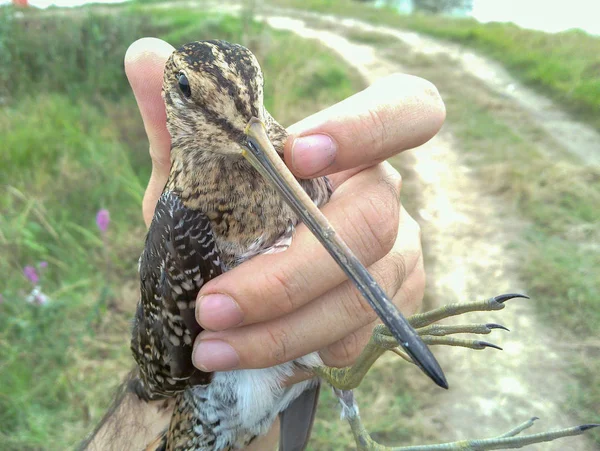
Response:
column 211, row 90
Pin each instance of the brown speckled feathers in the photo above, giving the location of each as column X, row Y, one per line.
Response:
column 179, row 257
column 216, row 212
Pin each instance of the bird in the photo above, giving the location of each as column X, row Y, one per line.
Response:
column 228, row 198
column 216, row 212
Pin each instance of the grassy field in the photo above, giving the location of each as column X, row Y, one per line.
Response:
column 73, row 144
column 564, row 65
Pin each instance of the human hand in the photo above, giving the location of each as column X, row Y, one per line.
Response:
column 290, row 304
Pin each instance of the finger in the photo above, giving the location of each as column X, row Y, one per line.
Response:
column 398, row 112
column 408, row 298
column 364, row 213
column 344, row 352
column 144, row 65
column 329, row 318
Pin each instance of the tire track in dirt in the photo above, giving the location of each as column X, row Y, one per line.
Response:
column 466, row 234
column 574, row 136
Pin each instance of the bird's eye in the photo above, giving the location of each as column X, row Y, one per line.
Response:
column 184, row 84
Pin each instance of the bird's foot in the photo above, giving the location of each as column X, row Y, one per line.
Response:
column 345, row 379
column 432, row 334
column 437, row 334
column 508, row 440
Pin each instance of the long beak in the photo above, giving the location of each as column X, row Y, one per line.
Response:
column 261, row 154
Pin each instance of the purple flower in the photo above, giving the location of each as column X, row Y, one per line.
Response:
column 42, row 265
column 102, row 220
column 31, row 274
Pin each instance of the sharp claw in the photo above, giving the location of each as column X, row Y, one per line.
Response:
column 585, row 427
column 505, row 297
column 485, row 344
column 496, row 326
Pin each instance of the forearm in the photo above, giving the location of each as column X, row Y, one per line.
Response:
column 134, row 424
column 130, row 423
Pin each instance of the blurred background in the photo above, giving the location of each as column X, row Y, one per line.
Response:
column 507, row 195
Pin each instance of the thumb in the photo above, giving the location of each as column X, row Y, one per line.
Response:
column 144, row 65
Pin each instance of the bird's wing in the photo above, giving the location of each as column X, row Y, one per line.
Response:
column 297, row 420
column 179, row 256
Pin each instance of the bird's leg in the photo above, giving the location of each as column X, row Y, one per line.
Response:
column 508, row 440
column 350, row 377
column 344, row 380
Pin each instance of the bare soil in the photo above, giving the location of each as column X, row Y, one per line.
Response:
column 467, row 234
column 574, row 136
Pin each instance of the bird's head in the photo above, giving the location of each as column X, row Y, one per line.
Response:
column 211, row 90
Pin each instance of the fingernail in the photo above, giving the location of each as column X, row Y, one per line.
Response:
column 312, row 154
column 218, row 312
column 215, row 355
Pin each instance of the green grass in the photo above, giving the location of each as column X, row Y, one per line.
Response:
column 72, row 143
column 74, row 62
column 56, row 178
column 564, row 65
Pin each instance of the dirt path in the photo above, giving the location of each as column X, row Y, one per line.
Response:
column 576, row 137
column 467, row 232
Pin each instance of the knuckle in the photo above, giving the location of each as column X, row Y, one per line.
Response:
column 393, row 178
column 381, row 213
column 276, row 342
column 409, row 238
column 378, row 129
column 355, row 307
column 396, row 271
column 278, row 286
column 411, row 294
column 410, row 226
column 343, row 352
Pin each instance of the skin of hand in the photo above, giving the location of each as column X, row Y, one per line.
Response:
column 278, row 307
